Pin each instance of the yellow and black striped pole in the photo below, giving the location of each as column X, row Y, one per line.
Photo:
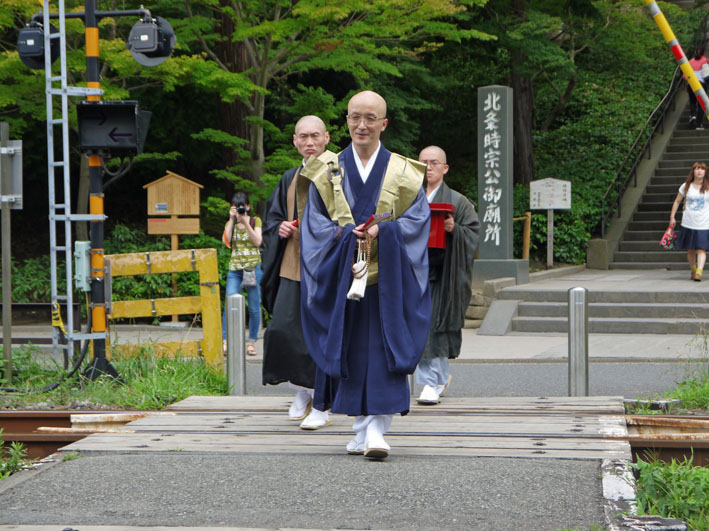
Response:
column 100, row 364
column 679, row 55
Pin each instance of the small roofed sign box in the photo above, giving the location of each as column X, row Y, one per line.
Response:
column 173, row 195
column 549, row 194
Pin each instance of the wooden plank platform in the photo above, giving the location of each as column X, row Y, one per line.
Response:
column 558, row 427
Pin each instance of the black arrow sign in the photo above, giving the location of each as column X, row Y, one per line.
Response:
column 113, row 135
column 98, row 115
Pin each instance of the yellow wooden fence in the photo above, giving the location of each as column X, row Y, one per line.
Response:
column 203, row 261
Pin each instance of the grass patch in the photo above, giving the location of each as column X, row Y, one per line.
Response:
column 12, row 457
column 694, row 394
column 675, row 489
column 147, row 382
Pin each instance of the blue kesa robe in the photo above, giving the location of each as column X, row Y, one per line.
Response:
column 364, row 349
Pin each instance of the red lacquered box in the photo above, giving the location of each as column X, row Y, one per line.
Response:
column 439, row 213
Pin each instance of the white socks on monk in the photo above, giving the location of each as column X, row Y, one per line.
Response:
column 369, row 436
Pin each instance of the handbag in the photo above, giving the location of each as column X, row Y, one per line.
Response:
column 249, row 278
column 668, row 239
column 705, row 72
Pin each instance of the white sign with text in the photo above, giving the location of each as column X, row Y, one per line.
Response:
column 549, row 194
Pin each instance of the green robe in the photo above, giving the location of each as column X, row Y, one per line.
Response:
column 451, row 288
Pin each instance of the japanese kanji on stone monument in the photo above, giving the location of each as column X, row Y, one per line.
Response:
column 495, row 187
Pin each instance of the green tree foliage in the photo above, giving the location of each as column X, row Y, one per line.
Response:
column 622, row 68
column 279, row 39
column 225, row 103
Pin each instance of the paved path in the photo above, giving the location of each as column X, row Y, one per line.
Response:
column 199, row 490
column 232, row 461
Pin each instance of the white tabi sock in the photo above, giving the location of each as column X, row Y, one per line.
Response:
column 377, row 427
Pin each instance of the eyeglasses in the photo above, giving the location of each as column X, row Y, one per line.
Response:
column 433, row 162
column 369, row 119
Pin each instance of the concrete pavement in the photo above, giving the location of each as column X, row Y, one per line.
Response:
column 197, row 491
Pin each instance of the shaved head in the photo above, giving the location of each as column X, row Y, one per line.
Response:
column 366, row 119
column 436, row 166
column 370, row 99
column 433, row 152
column 310, row 120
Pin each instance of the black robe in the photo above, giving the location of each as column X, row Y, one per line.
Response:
column 274, row 246
column 451, row 280
column 285, row 355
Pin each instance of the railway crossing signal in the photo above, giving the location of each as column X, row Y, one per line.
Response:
column 30, row 45
column 151, row 41
column 112, row 128
column 106, row 129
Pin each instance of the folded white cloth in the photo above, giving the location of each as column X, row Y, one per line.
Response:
column 359, row 283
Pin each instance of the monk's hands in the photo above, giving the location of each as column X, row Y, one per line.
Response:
column 373, row 231
column 286, row 229
column 448, row 224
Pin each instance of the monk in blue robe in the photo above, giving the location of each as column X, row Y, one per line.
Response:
column 364, row 344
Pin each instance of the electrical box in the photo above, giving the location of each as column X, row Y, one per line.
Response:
column 144, row 37
column 30, row 45
column 114, row 128
column 82, row 266
column 30, row 42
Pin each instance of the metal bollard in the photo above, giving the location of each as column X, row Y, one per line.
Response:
column 578, row 342
column 236, row 344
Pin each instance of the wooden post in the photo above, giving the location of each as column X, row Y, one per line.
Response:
column 174, row 245
column 526, row 235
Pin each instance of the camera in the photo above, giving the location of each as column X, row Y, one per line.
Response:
column 241, row 209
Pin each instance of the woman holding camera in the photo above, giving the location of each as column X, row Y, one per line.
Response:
column 242, row 234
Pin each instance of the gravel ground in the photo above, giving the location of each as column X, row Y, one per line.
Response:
column 308, row 491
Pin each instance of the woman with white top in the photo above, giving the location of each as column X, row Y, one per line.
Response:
column 694, row 234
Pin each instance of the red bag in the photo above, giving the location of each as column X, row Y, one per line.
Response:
column 668, row 239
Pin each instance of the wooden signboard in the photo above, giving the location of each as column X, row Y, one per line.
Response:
column 173, row 225
column 550, row 194
column 171, row 196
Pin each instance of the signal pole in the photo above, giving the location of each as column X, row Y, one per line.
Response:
column 150, row 42
column 100, row 363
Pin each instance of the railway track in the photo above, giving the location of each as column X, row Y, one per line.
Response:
column 43, row 432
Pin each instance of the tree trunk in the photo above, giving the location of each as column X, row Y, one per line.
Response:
column 523, row 120
column 257, row 152
column 232, row 114
column 560, row 105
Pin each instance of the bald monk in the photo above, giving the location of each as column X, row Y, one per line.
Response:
column 285, row 355
column 451, row 277
column 365, row 342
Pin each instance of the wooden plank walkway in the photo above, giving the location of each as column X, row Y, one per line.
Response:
column 554, row 427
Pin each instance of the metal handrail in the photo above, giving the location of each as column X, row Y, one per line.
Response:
column 657, row 116
column 659, row 113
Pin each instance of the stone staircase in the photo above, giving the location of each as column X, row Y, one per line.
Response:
column 639, row 247
column 630, row 311
column 612, row 312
